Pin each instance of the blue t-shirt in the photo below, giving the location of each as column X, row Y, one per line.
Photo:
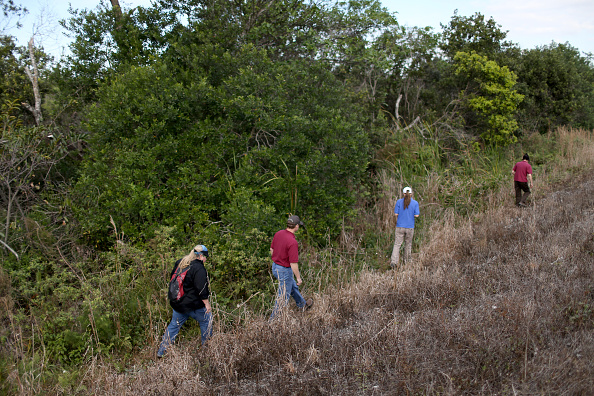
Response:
column 406, row 217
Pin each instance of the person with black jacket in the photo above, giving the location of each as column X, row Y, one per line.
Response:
column 190, row 299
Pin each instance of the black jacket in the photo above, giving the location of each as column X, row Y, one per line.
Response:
column 195, row 288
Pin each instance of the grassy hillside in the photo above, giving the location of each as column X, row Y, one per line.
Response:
column 211, row 122
column 498, row 300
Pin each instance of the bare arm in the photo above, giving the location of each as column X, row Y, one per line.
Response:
column 207, row 305
column 295, row 268
column 529, row 176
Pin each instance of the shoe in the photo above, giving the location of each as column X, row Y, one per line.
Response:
column 521, row 205
column 308, row 304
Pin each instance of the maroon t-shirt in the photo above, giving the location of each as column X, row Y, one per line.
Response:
column 284, row 248
column 522, row 169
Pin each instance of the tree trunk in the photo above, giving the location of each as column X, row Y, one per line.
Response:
column 34, row 78
column 115, row 4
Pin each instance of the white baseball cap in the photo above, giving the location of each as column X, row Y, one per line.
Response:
column 407, row 190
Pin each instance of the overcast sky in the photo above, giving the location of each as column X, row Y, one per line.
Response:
column 529, row 23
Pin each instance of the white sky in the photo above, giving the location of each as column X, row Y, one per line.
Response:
column 529, row 23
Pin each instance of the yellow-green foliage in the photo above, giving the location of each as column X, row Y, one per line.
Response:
column 491, row 96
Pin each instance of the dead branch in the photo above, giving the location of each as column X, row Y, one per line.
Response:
column 34, row 78
column 397, row 105
column 9, row 248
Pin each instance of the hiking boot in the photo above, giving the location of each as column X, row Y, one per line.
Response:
column 308, row 304
column 521, row 205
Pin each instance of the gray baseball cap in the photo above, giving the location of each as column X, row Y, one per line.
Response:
column 294, row 220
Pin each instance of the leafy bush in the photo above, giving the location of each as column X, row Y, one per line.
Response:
column 175, row 151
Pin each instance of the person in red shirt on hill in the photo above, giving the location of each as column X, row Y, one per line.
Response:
column 522, row 172
column 285, row 264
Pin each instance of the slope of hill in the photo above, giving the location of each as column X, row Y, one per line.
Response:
column 501, row 304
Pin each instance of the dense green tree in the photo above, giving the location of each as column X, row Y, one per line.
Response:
column 290, row 29
column 558, row 84
column 107, row 41
column 265, row 123
column 474, row 33
column 212, row 69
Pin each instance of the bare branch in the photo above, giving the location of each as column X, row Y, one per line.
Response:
column 413, row 123
column 11, row 250
column 397, row 105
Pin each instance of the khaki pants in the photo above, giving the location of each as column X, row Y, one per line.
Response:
column 406, row 235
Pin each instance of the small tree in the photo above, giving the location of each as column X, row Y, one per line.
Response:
column 489, row 97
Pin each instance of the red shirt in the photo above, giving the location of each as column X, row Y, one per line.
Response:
column 522, row 169
column 284, row 248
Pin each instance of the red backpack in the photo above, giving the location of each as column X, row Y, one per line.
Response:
column 176, row 284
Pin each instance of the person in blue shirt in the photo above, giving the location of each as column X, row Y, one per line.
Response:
column 406, row 211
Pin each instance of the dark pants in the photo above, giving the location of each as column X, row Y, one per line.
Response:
column 521, row 186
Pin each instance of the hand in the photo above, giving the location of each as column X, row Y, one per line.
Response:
column 299, row 281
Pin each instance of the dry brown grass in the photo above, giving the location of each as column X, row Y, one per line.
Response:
column 500, row 303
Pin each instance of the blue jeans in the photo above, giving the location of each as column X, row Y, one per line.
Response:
column 178, row 319
column 287, row 287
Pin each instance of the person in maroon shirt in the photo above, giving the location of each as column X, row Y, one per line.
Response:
column 522, row 172
column 285, row 263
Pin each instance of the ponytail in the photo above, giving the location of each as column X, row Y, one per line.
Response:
column 407, row 198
